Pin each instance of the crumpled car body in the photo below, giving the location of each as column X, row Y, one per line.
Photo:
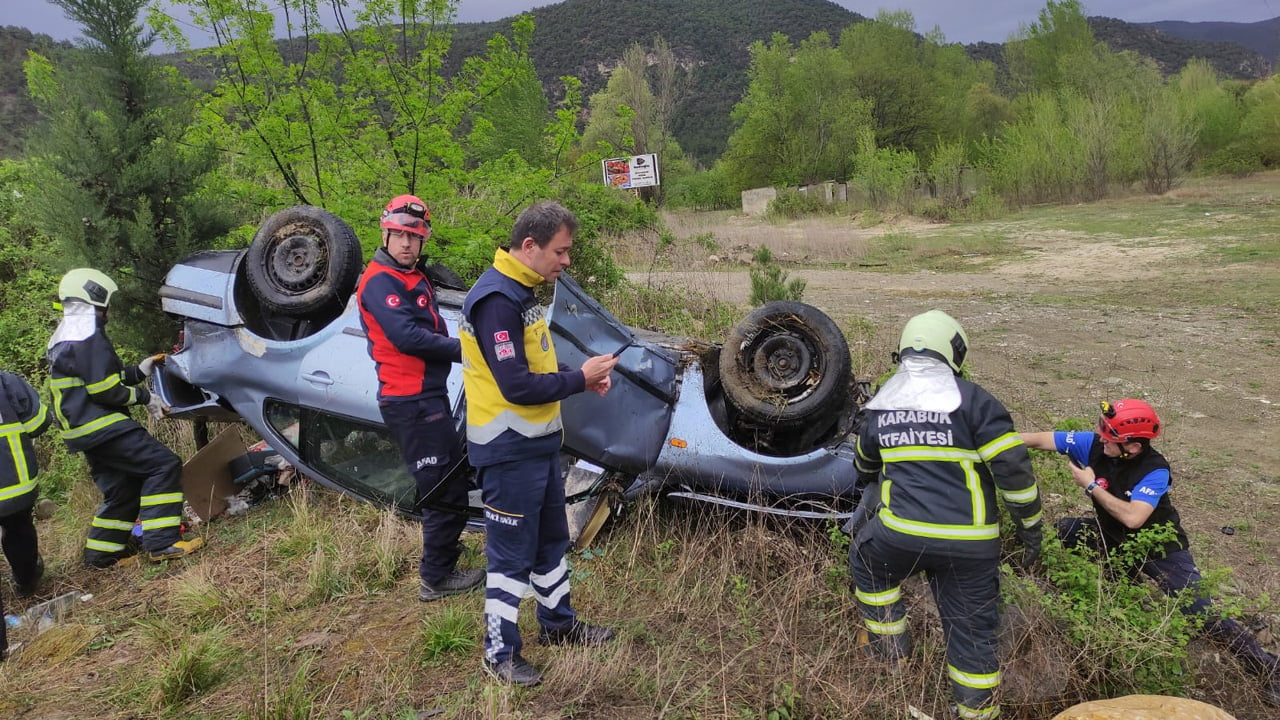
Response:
column 307, row 385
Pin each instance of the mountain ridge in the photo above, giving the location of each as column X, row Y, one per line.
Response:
column 586, row 39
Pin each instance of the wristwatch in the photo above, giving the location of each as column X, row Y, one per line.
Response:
column 1099, row 483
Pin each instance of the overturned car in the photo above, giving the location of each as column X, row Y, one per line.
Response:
column 271, row 335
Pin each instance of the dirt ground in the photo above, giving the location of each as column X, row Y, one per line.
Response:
column 1063, row 321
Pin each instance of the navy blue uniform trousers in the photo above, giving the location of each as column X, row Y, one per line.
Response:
column 967, row 592
column 428, row 440
column 140, row 479
column 18, row 537
column 527, row 535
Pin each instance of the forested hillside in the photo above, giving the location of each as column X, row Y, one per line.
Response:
column 17, row 111
column 1262, row 36
column 1171, row 52
column 586, row 39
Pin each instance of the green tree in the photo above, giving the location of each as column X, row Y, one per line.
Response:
column 1215, row 110
column 346, row 119
column 1260, row 126
column 797, row 119
column 119, row 180
column 1038, row 55
column 1168, row 140
column 26, row 282
column 623, row 115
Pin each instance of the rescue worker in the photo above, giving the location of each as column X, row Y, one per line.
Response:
column 140, row 479
column 514, row 385
column 22, row 417
column 1128, row 482
column 413, row 353
column 934, row 452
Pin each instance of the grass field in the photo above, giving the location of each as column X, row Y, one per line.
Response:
column 306, row 606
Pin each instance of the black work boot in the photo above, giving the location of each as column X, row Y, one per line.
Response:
column 458, row 581
column 514, row 671
column 28, row 588
column 577, row 633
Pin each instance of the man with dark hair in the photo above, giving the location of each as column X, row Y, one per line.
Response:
column 514, row 385
column 413, row 354
column 1128, row 481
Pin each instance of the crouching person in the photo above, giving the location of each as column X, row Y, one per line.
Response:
column 1128, row 481
column 140, row 479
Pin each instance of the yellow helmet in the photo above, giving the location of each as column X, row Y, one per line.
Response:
column 87, row 285
column 936, row 333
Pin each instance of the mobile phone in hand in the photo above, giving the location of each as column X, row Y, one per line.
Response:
column 618, row 352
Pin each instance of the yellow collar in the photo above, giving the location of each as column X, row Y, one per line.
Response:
column 506, row 263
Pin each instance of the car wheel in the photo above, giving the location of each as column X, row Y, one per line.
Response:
column 445, row 277
column 786, row 364
column 303, row 260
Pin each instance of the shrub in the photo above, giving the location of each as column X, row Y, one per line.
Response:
column 884, row 173
column 769, row 282
column 704, row 190
column 791, row 204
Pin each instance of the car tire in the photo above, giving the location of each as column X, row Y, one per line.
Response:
column 786, row 364
column 303, row 260
column 445, row 277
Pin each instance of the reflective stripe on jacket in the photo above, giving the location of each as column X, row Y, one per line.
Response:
column 22, row 417
column 92, row 390
column 940, row 473
column 495, row 423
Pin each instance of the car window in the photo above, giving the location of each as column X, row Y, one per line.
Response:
column 354, row 454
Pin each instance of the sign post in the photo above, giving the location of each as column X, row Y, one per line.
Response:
column 635, row 171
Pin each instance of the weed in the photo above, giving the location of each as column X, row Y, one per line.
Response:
column 449, row 633
column 791, row 204
column 184, row 665
column 769, row 282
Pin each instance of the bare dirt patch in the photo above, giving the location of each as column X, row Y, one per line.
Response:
column 1075, row 318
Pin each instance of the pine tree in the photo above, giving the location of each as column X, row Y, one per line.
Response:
column 120, row 190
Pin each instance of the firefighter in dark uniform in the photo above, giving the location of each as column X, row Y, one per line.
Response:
column 514, row 386
column 934, row 452
column 413, row 353
column 22, row 417
column 1128, row 483
column 140, row 479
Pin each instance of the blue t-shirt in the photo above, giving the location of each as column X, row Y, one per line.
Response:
column 1076, row 445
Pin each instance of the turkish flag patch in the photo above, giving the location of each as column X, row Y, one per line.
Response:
column 422, row 301
column 501, row 336
column 393, row 301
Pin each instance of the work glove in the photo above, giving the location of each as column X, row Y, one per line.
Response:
column 155, row 408
column 147, row 363
column 1032, row 539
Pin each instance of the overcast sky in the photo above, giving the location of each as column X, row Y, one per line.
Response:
column 961, row 20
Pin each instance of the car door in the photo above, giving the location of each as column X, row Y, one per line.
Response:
column 626, row 429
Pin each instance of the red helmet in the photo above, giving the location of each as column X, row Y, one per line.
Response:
column 407, row 213
column 1128, row 420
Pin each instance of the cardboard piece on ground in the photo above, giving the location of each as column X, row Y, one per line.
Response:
column 206, row 477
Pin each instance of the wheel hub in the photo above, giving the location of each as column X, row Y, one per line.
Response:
column 298, row 262
column 783, row 363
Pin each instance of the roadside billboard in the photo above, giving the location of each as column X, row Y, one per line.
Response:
column 635, row 171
